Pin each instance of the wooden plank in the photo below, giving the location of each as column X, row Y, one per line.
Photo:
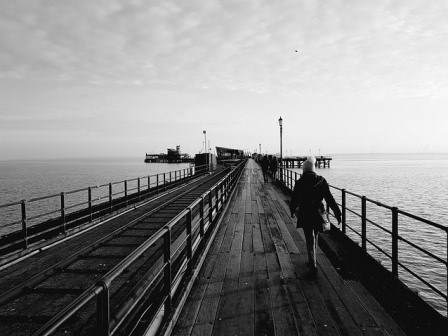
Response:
column 257, row 238
column 323, row 321
column 286, row 266
column 374, row 307
column 268, row 245
column 235, row 312
column 259, row 205
column 187, row 318
column 286, row 236
column 282, row 313
column 226, row 322
column 247, row 240
column 263, row 321
column 302, row 314
column 360, row 314
column 228, row 237
column 206, row 315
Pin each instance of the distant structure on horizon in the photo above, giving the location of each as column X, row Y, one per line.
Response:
column 172, row 156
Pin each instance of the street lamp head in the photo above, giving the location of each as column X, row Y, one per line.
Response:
column 280, row 121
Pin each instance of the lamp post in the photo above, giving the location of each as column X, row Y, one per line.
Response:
column 205, row 141
column 259, row 145
column 280, row 123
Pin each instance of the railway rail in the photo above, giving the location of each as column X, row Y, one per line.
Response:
column 136, row 265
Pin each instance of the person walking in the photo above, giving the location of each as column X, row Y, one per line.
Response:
column 264, row 168
column 306, row 203
column 274, row 166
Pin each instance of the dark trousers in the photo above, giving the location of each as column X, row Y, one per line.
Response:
column 311, row 237
column 265, row 175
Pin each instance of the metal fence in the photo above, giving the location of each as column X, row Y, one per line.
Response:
column 176, row 266
column 397, row 241
column 53, row 215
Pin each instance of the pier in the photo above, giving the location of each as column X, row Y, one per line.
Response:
column 297, row 161
column 199, row 252
column 254, row 280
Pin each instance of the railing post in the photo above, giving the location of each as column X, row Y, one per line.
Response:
column 344, row 212
column 126, row 191
column 164, row 181
column 157, row 183
column 167, row 271
column 189, row 240
column 149, row 182
column 217, row 200
column 222, row 192
column 24, row 226
column 363, row 223
column 110, row 197
column 395, row 242
column 89, row 196
column 63, row 211
column 103, row 310
column 138, row 187
column 210, row 207
column 170, row 177
column 201, row 213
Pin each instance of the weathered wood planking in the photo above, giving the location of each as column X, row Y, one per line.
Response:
column 255, row 280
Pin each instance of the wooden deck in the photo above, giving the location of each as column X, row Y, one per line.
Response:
column 254, row 280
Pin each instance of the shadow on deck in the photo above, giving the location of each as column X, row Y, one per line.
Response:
column 254, row 280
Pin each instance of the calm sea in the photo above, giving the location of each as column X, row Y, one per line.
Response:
column 417, row 183
column 29, row 179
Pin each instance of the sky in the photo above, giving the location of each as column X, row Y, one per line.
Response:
column 114, row 78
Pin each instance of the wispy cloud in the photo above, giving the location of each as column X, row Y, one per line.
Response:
column 344, row 46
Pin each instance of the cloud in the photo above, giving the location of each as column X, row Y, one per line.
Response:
column 363, row 47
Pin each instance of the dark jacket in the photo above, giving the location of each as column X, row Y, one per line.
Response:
column 309, row 191
column 264, row 164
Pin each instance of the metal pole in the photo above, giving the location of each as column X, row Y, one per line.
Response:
column 24, row 226
column 201, row 213
column 281, row 145
column 89, row 195
column 138, row 187
column 363, row 223
column 210, row 207
column 395, row 242
column 167, row 271
column 110, row 197
column 344, row 212
column 189, row 240
column 103, row 310
column 63, row 211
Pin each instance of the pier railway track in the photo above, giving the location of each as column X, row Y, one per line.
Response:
column 26, row 305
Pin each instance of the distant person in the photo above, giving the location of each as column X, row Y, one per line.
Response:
column 274, row 166
column 264, row 168
column 306, row 203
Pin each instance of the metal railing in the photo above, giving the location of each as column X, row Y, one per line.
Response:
column 53, row 215
column 288, row 177
column 196, row 224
